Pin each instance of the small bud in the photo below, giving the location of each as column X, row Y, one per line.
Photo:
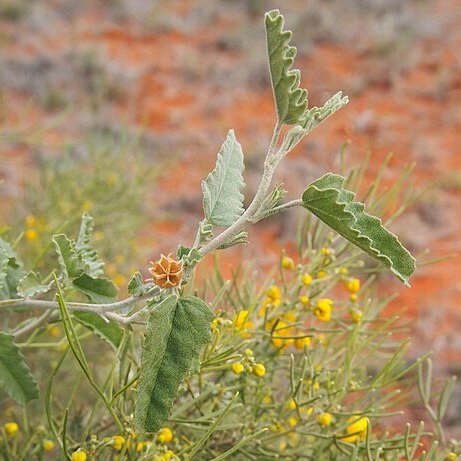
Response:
column 259, row 370
column 238, row 368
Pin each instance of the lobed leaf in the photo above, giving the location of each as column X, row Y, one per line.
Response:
column 11, row 271
column 68, row 256
column 177, row 330
column 138, row 287
column 100, row 290
column 222, row 196
column 109, row 331
column 15, row 376
column 31, row 285
column 91, row 264
column 335, row 206
column 290, row 100
column 316, row 115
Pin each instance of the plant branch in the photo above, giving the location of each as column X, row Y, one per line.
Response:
column 34, row 324
column 248, row 216
column 278, row 209
column 82, row 307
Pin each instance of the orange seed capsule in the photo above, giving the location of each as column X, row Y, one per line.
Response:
column 166, row 272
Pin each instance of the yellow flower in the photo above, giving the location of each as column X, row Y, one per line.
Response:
column 321, row 274
column 322, row 339
column 353, row 285
column 79, row 456
column 117, row 442
column 11, row 429
column 289, row 316
column 343, row 270
column 283, row 445
column 48, row 445
column 267, row 399
column 280, row 331
column 451, row 456
column 288, row 263
column 86, row 205
column 291, row 405
column 301, row 343
column 214, row 324
column 242, row 323
column 140, row 446
column 306, row 279
column 353, row 297
column 323, row 309
column 356, row 315
column 31, row 220
column 31, row 235
column 53, row 330
column 98, row 236
column 325, row 251
column 241, row 319
column 304, row 300
column 112, row 179
column 119, row 280
column 358, row 428
column 324, row 419
column 259, row 370
column 292, row 421
column 238, row 368
column 165, row 435
column 248, row 352
column 273, row 293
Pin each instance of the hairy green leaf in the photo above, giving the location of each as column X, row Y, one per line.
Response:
column 11, row 271
column 31, row 285
column 177, row 330
column 15, row 376
column 222, row 196
column 99, row 290
column 3, row 268
column 69, row 257
column 316, row 115
column 136, row 286
column 290, row 100
column 109, row 331
column 188, row 256
column 334, row 205
column 92, row 265
column 79, row 257
column 240, row 239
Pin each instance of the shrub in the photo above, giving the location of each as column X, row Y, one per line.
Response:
column 302, row 365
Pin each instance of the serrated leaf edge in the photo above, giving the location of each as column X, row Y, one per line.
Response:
column 359, row 235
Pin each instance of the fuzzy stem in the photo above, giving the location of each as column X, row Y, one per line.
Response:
column 248, row 216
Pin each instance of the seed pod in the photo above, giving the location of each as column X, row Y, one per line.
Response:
column 166, row 272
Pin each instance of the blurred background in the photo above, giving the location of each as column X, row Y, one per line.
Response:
column 119, row 107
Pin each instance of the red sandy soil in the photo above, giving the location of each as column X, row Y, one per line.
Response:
column 187, row 84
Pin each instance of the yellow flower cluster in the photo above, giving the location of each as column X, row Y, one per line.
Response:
column 248, row 364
